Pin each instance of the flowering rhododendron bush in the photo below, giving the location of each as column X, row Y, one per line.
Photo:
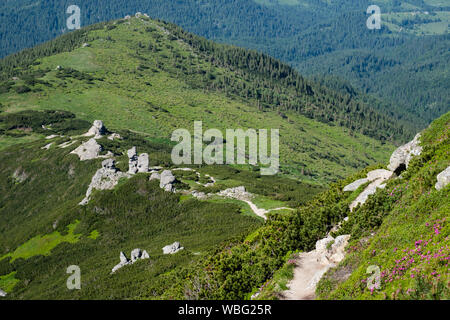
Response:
column 403, row 231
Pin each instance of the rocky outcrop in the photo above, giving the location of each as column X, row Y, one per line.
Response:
column 97, row 130
column 105, row 178
column 136, row 254
column 88, row 150
column 166, row 181
column 402, row 156
column 172, row 248
column 443, row 179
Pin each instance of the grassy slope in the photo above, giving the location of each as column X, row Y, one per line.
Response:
column 43, row 230
column 411, row 246
column 155, row 102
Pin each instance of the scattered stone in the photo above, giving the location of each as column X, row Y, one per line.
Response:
column 47, row 146
column 443, row 179
column 172, row 248
column 142, row 164
column 88, row 150
column 97, row 130
column 355, row 185
column 166, row 181
column 105, row 178
column 67, row 144
column 401, row 157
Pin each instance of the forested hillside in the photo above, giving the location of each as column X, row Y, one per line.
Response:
column 405, row 64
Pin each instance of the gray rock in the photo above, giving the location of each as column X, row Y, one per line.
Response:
column 166, row 180
column 123, row 257
column 401, row 157
column 2, row 293
column 238, row 193
column 132, row 161
column 105, row 178
column 97, row 130
column 136, row 255
column 145, row 255
column 355, row 185
column 88, row 150
column 363, row 196
column 172, row 248
column 443, row 179
column 142, row 164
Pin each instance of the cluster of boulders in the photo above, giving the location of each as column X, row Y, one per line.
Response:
column 106, row 178
column 238, row 193
column 137, row 163
column 172, row 248
column 136, row 254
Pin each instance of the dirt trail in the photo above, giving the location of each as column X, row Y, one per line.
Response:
column 306, row 275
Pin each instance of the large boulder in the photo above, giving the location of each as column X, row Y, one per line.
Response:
column 142, row 164
column 2, row 293
column 443, row 179
column 88, row 150
column 172, row 248
column 401, row 157
column 132, row 161
column 166, row 180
